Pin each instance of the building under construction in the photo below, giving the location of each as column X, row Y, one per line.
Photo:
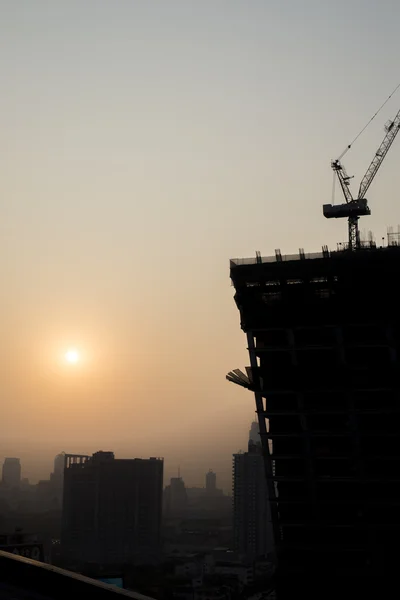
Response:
column 323, row 333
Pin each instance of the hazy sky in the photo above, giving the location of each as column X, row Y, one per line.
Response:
column 144, row 143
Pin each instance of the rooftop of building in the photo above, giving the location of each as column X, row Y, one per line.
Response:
column 315, row 290
column 83, row 460
column 320, row 276
column 341, row 253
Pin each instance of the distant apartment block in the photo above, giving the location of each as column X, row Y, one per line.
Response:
column 175, row 497
column 211, row 483
column 111, row 509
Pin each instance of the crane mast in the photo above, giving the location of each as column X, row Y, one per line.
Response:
column 354, row 208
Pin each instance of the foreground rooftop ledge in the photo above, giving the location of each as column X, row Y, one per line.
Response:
column 26, row 578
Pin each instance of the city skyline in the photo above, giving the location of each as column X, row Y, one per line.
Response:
column 197, row 480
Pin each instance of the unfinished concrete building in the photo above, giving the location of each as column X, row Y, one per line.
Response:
column 323, row 333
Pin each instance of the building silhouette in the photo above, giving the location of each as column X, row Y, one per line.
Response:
column 252, row 529
column 175, row 497
column 59, row 464
column 211, row 483
column 254, row 433
column 57, row 480
column 111, row 510
column 323, row 333
column 11, row 473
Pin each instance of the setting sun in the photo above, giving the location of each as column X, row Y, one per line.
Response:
column 72, row 356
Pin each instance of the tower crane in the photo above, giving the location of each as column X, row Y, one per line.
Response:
column 354, row 208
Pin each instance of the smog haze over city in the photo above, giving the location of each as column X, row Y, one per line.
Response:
column 144, row 143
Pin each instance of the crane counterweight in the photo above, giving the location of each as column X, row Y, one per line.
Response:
column 355, row 208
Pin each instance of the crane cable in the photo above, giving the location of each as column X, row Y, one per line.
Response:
column 359, row 134
column 371, row 119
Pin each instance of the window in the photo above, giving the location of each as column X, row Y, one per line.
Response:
column 329, row 422
column 323, row 292
column 275, row 338
column 314, row 336
column 271, row 297
column 294, row 281
column 284, row 424
column 280, row 359
column 364, row 334
column 281, row 402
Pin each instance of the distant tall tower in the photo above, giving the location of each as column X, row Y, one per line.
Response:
column 252, row 526
column 254, row 433
column 211, row 483
column 57, row 479
column 175, row 497
column 59, row 462
column 11, row 474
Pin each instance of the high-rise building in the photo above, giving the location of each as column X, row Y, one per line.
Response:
column 175, row 497
column 57, row 480
column 254, row 433
column 211, row 483
column 11, row 475
column 252, row 527
column 59, row 463
column 111, row 509
column 323, row 333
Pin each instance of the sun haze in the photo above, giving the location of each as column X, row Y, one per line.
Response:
column 72, row 356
